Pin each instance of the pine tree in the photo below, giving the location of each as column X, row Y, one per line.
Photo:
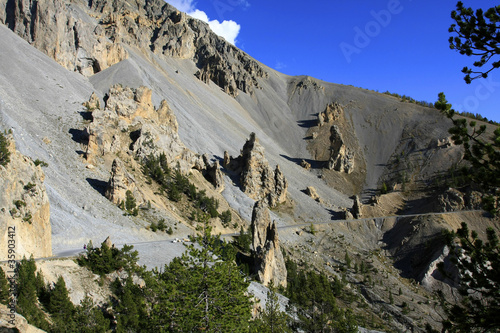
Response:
column 61, row 308
column 89, row 318
column 130, row 311
column 478, row 264
column 4, row 288
column 347, row 260
column 273, row 320
column 4, row 152
column 27, row 302
column 204, row 290
column 476, row 33
column 483, row 153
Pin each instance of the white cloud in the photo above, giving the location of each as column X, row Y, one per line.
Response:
column 280, row 65
column 183, row 5
column 226, row 29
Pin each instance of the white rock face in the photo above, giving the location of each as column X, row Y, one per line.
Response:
column 24, row 208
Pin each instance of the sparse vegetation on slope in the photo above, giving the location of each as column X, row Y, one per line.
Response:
column 4, row 151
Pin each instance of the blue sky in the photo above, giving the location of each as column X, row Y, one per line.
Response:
column 395, row 45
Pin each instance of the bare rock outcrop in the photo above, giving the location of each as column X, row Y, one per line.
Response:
column 129, row 122
column 356, row 207
column 93, row 102
column 14, row 322
column 269, row 261
column 341, row 157
column 306, row 165
column 451, row 200
column 24, row 207
column 332, row 113
column 311, row 191
column 89, row 37
column 213, row 173
column 119, row 183
column 258, row 180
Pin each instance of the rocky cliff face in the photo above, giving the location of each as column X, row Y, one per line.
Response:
column 89, row 37
column 258, row 180
column 269, row 262
column 130, row 123
column 24, row 208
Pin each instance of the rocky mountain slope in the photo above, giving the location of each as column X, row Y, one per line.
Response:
column 96, row 88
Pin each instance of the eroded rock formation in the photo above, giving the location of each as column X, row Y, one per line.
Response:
column 213, row 173
column 454, row 200
column 93, row 43
column 119, row 183
column 130, row 122
column 341, row 157
column 356, row 207
column 258, row 180
column 24, row 207
column 269, row 262
column 332, row 113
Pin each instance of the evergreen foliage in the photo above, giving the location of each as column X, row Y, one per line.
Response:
column 130, row 311
column 482, row 153
column 27, row 300
column 202, row 292
column 130, row 204
column 4, row 152
column 175, row 184
column 226, row 218
column 61, row 308
column 476, row 33
column 313, row 302
column 244, row 240
column 105, row 260
column 4, row 288
column 478, row 263
column 272, row 319
column 89, row 318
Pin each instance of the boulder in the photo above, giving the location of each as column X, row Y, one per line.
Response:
column 269, row 263
column 311, row 191
column 305, row 165
column 93, row 102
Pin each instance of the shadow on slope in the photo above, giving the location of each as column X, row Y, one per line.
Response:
column 314, row 164
column 98, row 185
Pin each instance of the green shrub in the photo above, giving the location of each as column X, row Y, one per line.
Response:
column 226, row 217
column 105, row 260
column 19, row 203
column 4, row 152
column 384, row 188
column 130, row 204
column 29, row 186
column 41, row 163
